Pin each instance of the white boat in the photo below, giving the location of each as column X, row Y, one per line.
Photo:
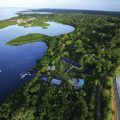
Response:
column 23, row 75
column 29, row 73
column 0, row 70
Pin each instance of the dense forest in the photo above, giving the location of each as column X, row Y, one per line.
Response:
column 93, row 44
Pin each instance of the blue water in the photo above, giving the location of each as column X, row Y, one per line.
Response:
column 7, row 13
column 20, row 59
column 30, row 12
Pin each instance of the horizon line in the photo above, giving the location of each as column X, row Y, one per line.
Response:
column 37, row 8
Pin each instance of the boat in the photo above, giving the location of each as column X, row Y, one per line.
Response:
column 0, row 70
column 23, row 75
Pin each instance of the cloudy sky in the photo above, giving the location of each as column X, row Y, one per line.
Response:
column 75, row 4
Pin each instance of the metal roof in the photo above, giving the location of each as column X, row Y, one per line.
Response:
column 56, row 81
column 78, row 82
column 45, row 79
column 73, row 63
column 89, row 70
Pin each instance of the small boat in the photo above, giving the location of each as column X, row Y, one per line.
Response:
column 29, row 73
column 0, row 70
column 23, row 75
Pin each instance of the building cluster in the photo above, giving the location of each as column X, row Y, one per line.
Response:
column 23, row 21
column 76, row 83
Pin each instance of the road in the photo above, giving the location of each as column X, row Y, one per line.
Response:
column 117, row 96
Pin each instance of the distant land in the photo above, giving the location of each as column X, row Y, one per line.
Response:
column 95, row 12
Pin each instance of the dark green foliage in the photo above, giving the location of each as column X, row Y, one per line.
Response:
column 95, row 42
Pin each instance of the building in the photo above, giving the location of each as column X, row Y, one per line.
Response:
column 56, row 82
column 89, row 70
column 32, row 19
column 70, row 62
column 20, row 21
column 45, row 79
column 77, row 83
column 51, row 68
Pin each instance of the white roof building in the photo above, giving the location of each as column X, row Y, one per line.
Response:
column 77, row 83
column 45, row 79
column 51, row 68
column 56, row 82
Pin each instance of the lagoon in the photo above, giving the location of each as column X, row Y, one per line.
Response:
column 20, row 59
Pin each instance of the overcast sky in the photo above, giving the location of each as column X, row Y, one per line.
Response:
column 74, row 4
